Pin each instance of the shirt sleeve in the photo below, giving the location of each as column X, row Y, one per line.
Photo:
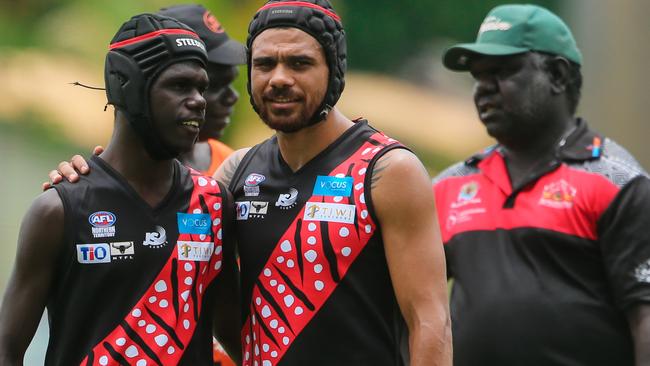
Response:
column 624, row 234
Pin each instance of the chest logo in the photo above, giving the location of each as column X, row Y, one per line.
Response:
column 467, row 195
column 122, row 250
column 287, row 200
column 155, row 239
column 251, row 184
column 194, row 251
column 332, row 212
column 558, row 194
column 243, row 209
column 93, row 253
column 333, row 186
column 193, row 223
column 103, row 223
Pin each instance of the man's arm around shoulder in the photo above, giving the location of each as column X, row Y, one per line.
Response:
column 405, row 207
column 39, row 245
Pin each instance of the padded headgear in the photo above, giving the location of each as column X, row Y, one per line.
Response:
column 318, row 19
column 141, row 49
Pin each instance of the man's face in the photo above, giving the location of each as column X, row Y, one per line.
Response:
column 220, row 97
column 511, row 95
column 289, row 77
column 177, row 104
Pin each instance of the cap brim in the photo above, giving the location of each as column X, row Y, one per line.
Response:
column 230, row 52
column 458, row 57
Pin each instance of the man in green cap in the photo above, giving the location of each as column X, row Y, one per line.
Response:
column 545, row 233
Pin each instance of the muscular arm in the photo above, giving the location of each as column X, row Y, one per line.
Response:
column 39, row 245
column 639, row 320
column 227, row 327
column 409, row 226
column 227, row 169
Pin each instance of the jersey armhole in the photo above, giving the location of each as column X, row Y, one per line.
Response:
column 367, row 181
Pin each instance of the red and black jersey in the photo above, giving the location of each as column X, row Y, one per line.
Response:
column 544, row 273
column 315, row 282
column 133, row 282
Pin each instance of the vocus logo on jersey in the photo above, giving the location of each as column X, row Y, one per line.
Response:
column 103, row 223
column 194, row 223
column 287, row 200
column 155, row 239
column 333, row 186
column 251, row 184
column 93, row 253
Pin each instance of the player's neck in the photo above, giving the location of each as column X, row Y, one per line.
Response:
column 298, row 148
column 199, row 157
column 151, row 179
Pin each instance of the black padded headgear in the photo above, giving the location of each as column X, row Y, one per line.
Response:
column 318, row 19
column 141, row 49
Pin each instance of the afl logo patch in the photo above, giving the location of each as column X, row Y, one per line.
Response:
column 254, row 179
column 102, row 219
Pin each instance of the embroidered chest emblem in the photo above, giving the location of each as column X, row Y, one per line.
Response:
column 558, row 194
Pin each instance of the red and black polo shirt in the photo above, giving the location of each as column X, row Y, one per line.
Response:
column 544, row 273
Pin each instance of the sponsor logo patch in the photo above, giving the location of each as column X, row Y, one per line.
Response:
column 155, row 239
column 287, row 200
column 258, row 208
column 251, row 184
column 183, row 42
column 122, row 249
column 493, row 23
column 467, row 195
column 195, row 250
column 93, row 253
column 333, row 186
column 559, row 194
column 332, row 212
column 243, row 209
column 103, row 223
column 193, row 223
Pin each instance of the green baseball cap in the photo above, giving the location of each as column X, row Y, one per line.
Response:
column 514, row 29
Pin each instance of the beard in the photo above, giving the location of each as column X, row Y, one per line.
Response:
column 287, row 121
column 286, row 124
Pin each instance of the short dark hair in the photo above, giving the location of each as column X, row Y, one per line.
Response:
column 574, row 87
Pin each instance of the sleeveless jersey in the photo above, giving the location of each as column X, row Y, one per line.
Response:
column 133, row 282
column 315, row 282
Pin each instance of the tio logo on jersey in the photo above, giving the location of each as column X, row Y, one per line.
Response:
column 93, row 253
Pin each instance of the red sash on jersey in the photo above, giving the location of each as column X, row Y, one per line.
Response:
column 159, row 327
column 284, row 298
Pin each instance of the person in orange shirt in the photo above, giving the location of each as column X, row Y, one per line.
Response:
column 224, row 55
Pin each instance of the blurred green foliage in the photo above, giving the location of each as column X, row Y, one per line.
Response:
column 381, row 33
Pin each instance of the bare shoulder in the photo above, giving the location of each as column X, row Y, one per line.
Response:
column 399, row 184
column 398, row 166
column 43, row 225
column 47, row 205
column 227, row 169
